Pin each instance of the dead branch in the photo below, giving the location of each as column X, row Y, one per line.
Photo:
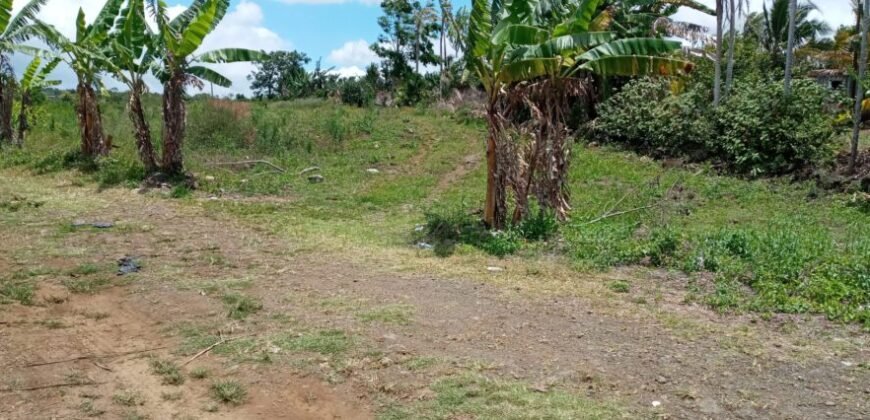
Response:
column 251, row 162
column 609, row 214
column 211, row 347
column 40, row 387
column 94, row 356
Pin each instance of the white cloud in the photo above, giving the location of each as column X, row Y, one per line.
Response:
column 352, row 71
column 353, row 53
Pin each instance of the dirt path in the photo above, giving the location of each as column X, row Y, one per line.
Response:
column 631, row 351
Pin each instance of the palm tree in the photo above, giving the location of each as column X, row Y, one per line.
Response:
column 424, row 18
column 13, row 31
column 717, row 77
column 514, row 45
column 33, row 80
column 789, row 52
column 859, row 92
column 736, row 9
column 176, row 66
column 770, row 28
column 88, row 55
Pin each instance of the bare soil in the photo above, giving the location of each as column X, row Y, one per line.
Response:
column 631, row 349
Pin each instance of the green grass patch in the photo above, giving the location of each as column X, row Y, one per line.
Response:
column 21, row 291
column 327, row 342
column 240, row 306
column 388, row 314
column 167, row 371
column 87, row 285
column 472, row 396
column 228, row 392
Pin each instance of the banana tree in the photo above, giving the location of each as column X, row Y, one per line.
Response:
column 511, row 46
column 13, row 31
column 88, row 54
column 34, row 80
column 177, row 66
column 131, row 44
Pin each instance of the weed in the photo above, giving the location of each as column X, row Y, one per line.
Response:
column 241, row 306
column 88, row 409
column 84, row 270
column 180, row 191
column 171, row 396
column 619, row 286
column 87, row 285
column 168, row 371
column 389, row 314
column 128, row 398
column 16, row 291
column 52, row 324
column 199, row 373
column 323, row 342
column 228, row 392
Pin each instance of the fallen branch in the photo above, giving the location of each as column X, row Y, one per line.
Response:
column 94, row 356
column 620, row 213
column 251, row 162
column 39, row 387
column 211, row 347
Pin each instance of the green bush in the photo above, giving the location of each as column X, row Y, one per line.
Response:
column 356, row 92
column 757, row 130
column 761, row 131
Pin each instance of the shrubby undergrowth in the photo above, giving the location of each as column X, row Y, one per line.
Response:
column 756, row 131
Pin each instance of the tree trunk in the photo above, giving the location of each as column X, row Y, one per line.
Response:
column 859, row 13
column 859, row 92
column 789, row 54
column 732, row 45
column 90, row 122
column 141, row 131
column 174, row 116
column 717, row 83
column 23, row 125
column 495, row 211
column 7, row 100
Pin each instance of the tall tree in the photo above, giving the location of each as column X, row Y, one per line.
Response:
column 736, row 9
column 13, row 31
column 396, row 39
column 425, row 26
column 88, row 56
column 177, row 66
column 278, row 74
column 717, row 76
column 446, row 21
column 789, row 52
column 859, row 92
column 770, row 28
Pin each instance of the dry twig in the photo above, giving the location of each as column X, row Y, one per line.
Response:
column 94, row 356
column 251, row 162
column 211, row 347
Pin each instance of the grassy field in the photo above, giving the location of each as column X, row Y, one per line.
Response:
column 757, row 245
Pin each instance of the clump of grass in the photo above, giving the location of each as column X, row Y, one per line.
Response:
column 389, row 314
column 171, row 396
column 168, row 371
column 229, row 392
column 84, row 270
column 87, row 285
column 16, row 291
column 128, row 398
column 199, row 373
column 52, row 324
column 90, row 410
column 324, row 342
column 474, row 396
column 241, row 306
column 619, row 286
column 180, row 191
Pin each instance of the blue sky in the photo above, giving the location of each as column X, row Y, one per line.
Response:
column 339, row 31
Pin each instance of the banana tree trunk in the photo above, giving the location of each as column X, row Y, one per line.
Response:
column 495, row 210
column 141, row 130
column 90, row 121
column 174, row 120
column 23, row 124
column 7, row 95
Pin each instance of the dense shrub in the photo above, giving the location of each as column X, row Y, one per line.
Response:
column 356, row 92
column 757, row 130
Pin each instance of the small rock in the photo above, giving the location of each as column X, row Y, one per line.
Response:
column 213, row 198
column 656, row 403
column 425, row 246
column 419, row 228
column 79, row 223
column 494, row 269
column 662, row 380
column 209, row 178
column 103, row 225
column 847, row 364
column 373, row 171
column 128, row 265
column 315, row 179
column 830, row 403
